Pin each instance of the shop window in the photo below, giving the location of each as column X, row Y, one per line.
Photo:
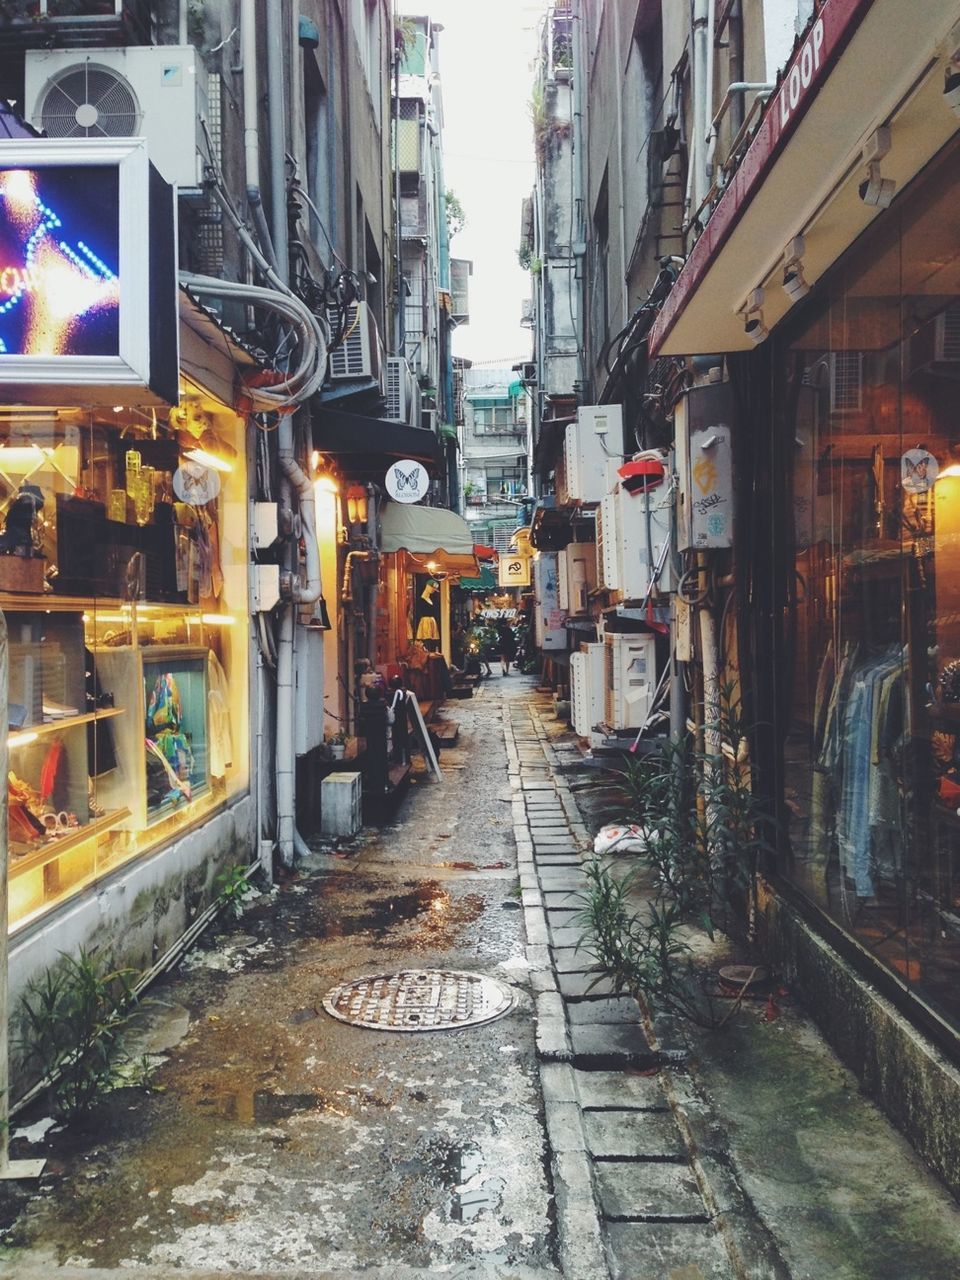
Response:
column 871, row 779
column 123, row 582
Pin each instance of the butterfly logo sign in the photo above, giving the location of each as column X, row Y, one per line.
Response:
column 407, row 481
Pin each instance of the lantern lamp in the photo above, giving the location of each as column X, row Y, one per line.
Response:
column 357, row 504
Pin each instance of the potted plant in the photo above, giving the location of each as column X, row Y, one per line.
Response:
column 337, row 745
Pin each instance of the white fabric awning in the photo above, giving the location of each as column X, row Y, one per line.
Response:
column 429, row 534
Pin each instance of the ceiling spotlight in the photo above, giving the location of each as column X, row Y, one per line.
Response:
column 875, row 188
column 755, row 329
column 794, row 283
column 951, row 87
column 753, row 325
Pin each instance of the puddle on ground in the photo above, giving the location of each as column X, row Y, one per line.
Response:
column 475, row 1192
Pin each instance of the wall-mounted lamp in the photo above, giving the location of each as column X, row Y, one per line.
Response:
column 209, row 450
column 875, row 189
column 752, row 312
column 357, row 504
column 794, row 283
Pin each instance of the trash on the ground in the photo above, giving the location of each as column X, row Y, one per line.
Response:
column 621, row 838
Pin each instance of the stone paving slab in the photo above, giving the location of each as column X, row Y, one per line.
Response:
column 604, row 1009
column 559, row 860
column 632, row 1135
column 665, row 1251
column 631, row 1191
column 602, row 1043
column 581, row 984
column 557, row 879
column 565, row 935
column 620, row 1090
column 562, row 899
column 571, row 960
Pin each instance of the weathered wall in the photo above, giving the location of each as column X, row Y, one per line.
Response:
column 902, row 1070
column 135, row 917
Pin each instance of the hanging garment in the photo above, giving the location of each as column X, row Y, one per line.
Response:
column 218, row 705
column 427, row 629
column 164, row 709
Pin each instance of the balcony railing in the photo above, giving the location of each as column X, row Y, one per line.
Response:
column 75, row 22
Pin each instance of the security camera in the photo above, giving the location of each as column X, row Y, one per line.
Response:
column 951, row 88
column 875, row 189
column 755, row 329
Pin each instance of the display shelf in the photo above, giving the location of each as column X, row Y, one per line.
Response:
column 54, row 848
column 69, row 722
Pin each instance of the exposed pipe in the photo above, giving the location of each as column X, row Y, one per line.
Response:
column 183, row 35
column 708, row 78
column 276, row 132
column 698, row 129
column 762, row 89
column 251, row 128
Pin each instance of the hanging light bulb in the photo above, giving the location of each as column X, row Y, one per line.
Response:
column 357, row 504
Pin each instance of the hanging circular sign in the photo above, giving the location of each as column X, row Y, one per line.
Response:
column 407, row 481
column 918, row 471
column 196, row 484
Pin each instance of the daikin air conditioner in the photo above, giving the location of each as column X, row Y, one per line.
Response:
column 158, row 92
column 402, row 392
column 631, row 679
column 359, row 355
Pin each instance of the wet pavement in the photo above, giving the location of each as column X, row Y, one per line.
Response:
column 575, row 1136
column 277, row 1140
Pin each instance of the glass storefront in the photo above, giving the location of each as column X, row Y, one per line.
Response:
column 123, row 583
column 868, row 382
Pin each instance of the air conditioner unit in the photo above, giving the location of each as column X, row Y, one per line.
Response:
column 158, row 92
column 595, row 436
column 560, row 479
column 402, row 392
column 608, row 567
column 935, row 348
column 428, row 420
column 587, row 694
column 846, row 381
column 359, row 353
column 631, row 679
column 581, row 575
column 549, row 631
column 642, row 528
column 563, row 582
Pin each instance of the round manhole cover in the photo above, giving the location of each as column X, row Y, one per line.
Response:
column 419, row 1000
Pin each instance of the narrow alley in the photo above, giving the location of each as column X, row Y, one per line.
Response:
column 271, row 1139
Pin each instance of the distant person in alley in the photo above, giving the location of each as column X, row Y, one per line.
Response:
column 506, row 645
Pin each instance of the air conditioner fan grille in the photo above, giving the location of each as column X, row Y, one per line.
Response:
column 89, row 102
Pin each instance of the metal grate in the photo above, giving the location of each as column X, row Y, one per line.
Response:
column 419, row 1000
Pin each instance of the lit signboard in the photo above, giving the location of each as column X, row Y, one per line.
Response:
column 88, row 303
column 60, row 262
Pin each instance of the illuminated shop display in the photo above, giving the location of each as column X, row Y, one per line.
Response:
column 128, row 658
column 59, row 258
column 88, row 304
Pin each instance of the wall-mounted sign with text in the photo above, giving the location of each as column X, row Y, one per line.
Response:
column 407, row 481
column 513, row 571
column 88, row 287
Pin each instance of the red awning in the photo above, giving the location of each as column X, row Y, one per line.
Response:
column 484, row 553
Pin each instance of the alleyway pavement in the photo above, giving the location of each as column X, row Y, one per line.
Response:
column 568, row 1138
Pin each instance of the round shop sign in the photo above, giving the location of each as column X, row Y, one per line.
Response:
column 194, row 483
column 918, row 471
column 407, row 481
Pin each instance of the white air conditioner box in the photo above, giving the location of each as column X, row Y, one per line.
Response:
column 563, row 582
column 643, row 531
column 581, row 575
column 359, row 354
column 158, row 92
column 935, row 347
column 402, row 392
column 549, row 631
column 608, row 569
column 631, row 679
column 595, row 437
column 587, row 693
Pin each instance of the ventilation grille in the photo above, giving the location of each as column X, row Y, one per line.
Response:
column 395, row 406
column 846, row 381
column 90, row 102
column 949, row 344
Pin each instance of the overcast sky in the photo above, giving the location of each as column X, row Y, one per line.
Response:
column 486, row 69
